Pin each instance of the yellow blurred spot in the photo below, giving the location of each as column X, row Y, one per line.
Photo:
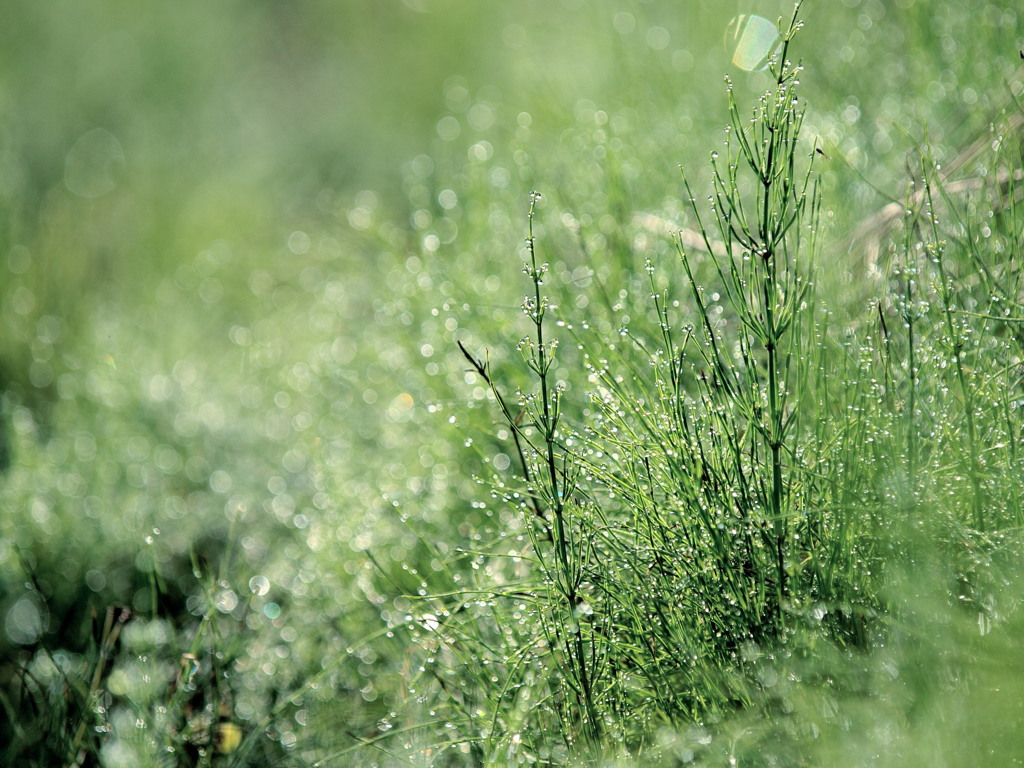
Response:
column 227, row 737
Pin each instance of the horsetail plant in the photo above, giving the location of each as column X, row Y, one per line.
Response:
column 550, row 473
column 765, row 273
column 683, row 520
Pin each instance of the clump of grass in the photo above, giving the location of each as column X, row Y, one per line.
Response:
column 676, row 527
column 735, row 477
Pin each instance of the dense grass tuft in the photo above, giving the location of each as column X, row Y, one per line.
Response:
column 722, row 483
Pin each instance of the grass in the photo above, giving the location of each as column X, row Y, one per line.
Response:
column 717, row 506
column 292, row 479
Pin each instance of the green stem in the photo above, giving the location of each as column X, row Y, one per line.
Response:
column 955, row 340
column 548, row 425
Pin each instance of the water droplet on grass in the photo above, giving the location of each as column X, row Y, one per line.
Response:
column 259, row 585
column 227, row 601
column 24, row 621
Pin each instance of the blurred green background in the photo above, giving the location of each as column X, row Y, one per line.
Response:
column 239, row 239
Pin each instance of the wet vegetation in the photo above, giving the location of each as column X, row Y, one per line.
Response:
column 293, row 474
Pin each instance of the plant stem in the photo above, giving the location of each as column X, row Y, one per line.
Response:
column 956, row 341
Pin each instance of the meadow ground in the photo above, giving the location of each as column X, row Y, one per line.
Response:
column 283, row 483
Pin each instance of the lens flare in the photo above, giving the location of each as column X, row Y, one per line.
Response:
column 755, row 39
